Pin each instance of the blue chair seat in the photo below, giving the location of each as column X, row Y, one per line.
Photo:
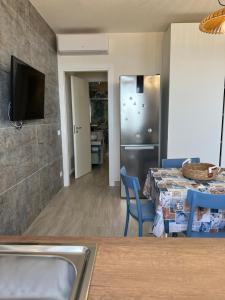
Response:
column 147, row 209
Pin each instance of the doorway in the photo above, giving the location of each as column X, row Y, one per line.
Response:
column 87, row 122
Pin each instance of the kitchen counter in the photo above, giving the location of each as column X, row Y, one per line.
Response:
column 150, row 268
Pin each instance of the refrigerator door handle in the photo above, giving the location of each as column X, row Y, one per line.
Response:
column 149, row 147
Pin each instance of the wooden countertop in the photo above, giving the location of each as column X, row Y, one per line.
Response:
column 150, row 268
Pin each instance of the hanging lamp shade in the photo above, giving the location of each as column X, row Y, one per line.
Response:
column 214, row 23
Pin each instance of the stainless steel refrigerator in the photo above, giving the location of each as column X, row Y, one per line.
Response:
column 139, row 111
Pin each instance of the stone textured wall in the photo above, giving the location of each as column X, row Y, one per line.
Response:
column 30, row 159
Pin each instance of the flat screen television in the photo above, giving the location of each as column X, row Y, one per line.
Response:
column 27, row 92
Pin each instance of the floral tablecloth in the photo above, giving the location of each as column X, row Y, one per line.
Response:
column 168, row 188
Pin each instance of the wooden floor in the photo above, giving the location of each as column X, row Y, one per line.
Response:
column 89, row 207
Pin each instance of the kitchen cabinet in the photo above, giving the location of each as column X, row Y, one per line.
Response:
column 97, row 147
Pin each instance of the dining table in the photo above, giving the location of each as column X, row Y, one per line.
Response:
column 168, row 189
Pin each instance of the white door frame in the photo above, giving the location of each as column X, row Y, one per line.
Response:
column 62, row 70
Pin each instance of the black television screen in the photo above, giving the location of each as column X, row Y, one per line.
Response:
column 27, row 92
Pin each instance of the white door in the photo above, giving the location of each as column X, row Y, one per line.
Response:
column 81, row 126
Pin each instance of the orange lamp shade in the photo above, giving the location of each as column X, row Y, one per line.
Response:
column 214, row 23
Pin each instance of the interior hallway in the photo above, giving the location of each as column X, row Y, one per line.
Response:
column 89, row 207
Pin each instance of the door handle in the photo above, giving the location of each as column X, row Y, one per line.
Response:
column 76, row 128
column 139, row 148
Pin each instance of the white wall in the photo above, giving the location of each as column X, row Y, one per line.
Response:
column 197, row 71
column 129, row 53
column 223, row 139
column 92, row 76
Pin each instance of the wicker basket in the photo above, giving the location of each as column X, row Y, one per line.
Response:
column 200, row 171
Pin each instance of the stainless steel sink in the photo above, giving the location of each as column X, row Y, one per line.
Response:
column 49, row 272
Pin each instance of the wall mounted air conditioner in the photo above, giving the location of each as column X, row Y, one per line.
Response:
column 79, row 44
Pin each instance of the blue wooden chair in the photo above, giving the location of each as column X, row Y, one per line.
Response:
column 177, row 162
column 198, row 199
column 141, row 212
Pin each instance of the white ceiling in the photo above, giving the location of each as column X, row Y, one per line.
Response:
column 87, row 16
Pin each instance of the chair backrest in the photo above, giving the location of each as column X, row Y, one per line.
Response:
column 123, row 171
column 132, row 184
column 177, row 162
column 198, row 199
